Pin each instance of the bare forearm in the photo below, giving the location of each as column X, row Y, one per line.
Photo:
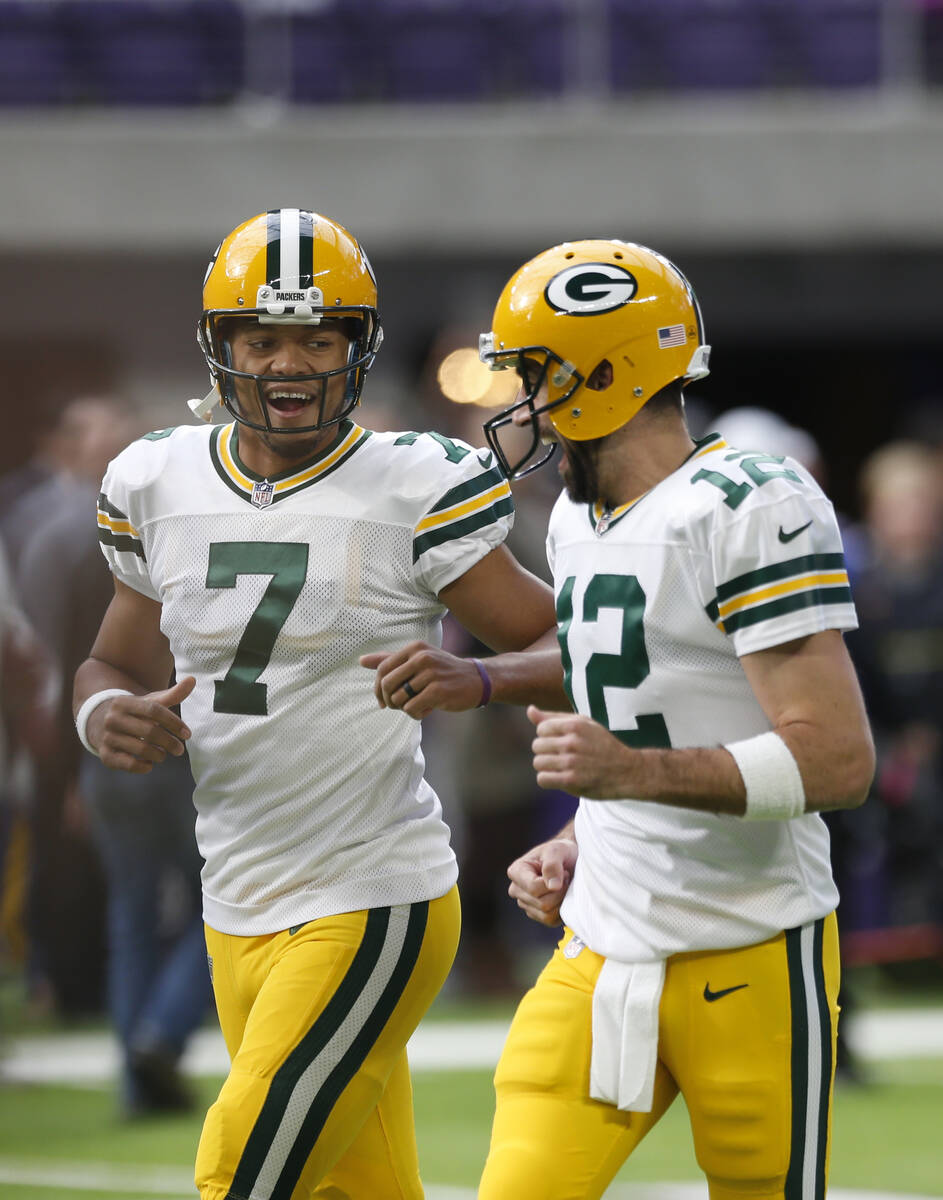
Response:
column 96, row 675
column 531, row 676
column 836, row 764
column 702, row 778
column 821, row 757
column 577, row 755
column 834, row 775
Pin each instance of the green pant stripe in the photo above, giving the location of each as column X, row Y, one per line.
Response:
column 800, row 1064
column 825, row 1083
column 286, row 1077
column 352, row 1061
column 811, row 1063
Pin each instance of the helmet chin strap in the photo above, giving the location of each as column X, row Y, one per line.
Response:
column 204, row 408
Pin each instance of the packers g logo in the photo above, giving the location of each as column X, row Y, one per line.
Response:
column 590, row 288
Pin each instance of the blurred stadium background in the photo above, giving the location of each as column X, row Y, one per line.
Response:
column 787, row 154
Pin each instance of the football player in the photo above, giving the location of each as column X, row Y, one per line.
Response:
column 255, row 560
column 701, row 596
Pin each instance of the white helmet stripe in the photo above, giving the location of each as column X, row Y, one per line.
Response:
column 289, row 258
column 290, row 250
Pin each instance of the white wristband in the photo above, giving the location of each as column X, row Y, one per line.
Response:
column 772, row 779
column 86, row 710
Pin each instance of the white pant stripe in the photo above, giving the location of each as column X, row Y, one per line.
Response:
column 812, row 1114
column 313, row 1078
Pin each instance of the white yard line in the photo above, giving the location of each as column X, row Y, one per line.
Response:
column 83, row 1058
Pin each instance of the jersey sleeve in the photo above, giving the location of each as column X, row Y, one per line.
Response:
column 470, row 513
column 778, row 568
column 121, row 541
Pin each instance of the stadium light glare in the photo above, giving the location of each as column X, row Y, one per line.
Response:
column 464, row 379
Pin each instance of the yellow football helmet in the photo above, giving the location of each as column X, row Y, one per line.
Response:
column 287, row 266
column 575, row 306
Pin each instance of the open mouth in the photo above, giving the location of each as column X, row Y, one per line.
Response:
column 288, row 403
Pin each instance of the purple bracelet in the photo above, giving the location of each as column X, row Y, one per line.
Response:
column 485, row 683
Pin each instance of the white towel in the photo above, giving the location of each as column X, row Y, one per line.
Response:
column 625, row 1034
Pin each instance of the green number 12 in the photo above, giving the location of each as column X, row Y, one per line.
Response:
column 627, row 669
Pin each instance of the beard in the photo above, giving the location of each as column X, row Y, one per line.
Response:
column 579, row 471
column 290, row 446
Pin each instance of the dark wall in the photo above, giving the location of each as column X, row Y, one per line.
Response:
column 844, row 344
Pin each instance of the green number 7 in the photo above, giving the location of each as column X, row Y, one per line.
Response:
column 287, row 562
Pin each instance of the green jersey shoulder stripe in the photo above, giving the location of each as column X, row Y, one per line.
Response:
column 777, row 571
column 809, row 598
column 454, row 530
column 112, row 510
column 115, row 529
column 472, row 487
column 121, row 541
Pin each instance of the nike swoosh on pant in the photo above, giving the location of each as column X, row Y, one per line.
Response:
column 710, row 996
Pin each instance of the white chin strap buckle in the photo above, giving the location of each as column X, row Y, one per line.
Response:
column 204, row 408
column 699, row 364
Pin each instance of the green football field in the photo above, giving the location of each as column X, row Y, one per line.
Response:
column 59, row 1142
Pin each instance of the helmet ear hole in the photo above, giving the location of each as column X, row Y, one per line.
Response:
column 601, row 376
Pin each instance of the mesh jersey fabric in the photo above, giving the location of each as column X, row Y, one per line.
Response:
column 310, row 798
column 732, row 553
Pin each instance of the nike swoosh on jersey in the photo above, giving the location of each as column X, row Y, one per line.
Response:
column 787, row 537
column 710, row 996
column 486, row 459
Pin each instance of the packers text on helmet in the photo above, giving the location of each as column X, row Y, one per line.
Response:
column 287, row 266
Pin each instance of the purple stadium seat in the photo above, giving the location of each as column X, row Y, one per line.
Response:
column 838, row 42
column 714, row 45
column 933, row 42
column 435, row 49
column 143, row 52
column 334, row 51
column 35, row 62
column 635, row 46
column 533, row 45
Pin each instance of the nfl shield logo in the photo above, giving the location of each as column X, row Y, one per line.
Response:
column 263, row 493
column 573, row 947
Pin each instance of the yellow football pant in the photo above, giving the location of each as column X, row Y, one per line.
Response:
column 318, row 1101
column 747, row 1036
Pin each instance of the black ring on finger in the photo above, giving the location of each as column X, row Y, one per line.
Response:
column 410, row 690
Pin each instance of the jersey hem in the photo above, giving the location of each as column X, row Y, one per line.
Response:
column 301, row 907
column 730, row 941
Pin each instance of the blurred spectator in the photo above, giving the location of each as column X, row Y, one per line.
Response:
column 158, row 981
column 66, row 890
column 27, row 688
column 45, row 485
column 480, row 762
column 754, row 428
column 141, row 827
column 749, row 427
column 894, row 891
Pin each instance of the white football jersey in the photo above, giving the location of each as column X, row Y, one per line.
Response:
column 310, row 798
column 732, row 553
